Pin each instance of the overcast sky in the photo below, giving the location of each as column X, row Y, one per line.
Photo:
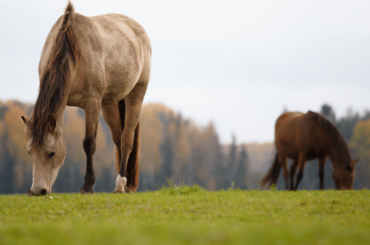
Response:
column 236, row 63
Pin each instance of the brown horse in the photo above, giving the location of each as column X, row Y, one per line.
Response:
column 99, row 63
column 304, row 137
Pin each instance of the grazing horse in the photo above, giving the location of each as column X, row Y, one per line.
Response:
column 100, row 64
column 303, row 137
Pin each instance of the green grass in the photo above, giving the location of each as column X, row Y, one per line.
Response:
column 188, row 215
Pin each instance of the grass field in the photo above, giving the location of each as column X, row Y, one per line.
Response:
column 188, row 215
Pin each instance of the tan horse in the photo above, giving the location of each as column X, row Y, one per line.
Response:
column 99, row 63
column 304, row 137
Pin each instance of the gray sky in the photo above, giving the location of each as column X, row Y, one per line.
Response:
column 236, row 63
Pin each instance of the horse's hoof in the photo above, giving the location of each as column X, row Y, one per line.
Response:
column 118, row 190
column 126, row 190
column 120, row 184
column 82, row 191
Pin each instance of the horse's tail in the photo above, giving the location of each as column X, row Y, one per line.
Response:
column 54, row 78
column 273, row 173
column 132, row 169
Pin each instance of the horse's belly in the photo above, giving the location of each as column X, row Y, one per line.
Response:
column 286, row 146
column 114, row 95
column 116, row 92
column 121, row 77
column 315, row 153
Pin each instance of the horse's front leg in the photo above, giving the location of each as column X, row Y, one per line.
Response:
column 92, row 112
column 301, row 164
column 321, row 171
column 284, row 164
column 293, row 170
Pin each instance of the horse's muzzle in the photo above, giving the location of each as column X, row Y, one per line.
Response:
column 42, row 192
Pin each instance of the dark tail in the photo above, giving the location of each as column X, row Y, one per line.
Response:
column 132, row 170
column 273, row 173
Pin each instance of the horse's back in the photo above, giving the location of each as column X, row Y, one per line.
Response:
column 286, row 133
column 111, row 24
column 115, row 39
column 287, row 118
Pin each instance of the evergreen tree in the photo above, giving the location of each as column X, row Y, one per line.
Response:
column 231, row 164
column 166, row 168
column 242, row 170
column 328, row 111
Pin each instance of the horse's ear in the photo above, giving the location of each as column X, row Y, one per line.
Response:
column 354, row 161
column 26, row 122
column 52, row 123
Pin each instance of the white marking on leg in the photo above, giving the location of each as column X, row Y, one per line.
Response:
column 120, row 184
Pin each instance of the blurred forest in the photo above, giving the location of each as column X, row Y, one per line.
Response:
column 173, row 148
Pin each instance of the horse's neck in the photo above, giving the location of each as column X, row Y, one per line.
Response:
column 339, row 152
column 59, row 114
column 333, row 157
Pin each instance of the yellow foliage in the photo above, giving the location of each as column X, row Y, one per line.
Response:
column 181, row 149
column 74, row 132
column 260, row 155
column 2, row 130
column 151, row 139
column 204, row 152
column 16, row 142
column 159, row 107
column 360, row 141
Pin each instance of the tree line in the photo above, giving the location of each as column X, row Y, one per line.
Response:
column 173, row 149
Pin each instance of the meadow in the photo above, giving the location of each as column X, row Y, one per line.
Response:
column 188, row 215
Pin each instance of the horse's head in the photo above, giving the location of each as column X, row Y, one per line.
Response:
column 47, row 158
column 343, row 176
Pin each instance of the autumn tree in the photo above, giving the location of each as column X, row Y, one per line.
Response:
column 360, row 143
column 151, row 140
column 205, row 156
column 16, row 143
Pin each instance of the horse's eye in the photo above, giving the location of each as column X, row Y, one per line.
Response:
column 51, row 154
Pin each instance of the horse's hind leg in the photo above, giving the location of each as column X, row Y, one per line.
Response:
column 112, row 118
column 301, row 164
column 293, row 169
column 92, row 112
column 321, row 171
column 284, row 164
column 129, row 139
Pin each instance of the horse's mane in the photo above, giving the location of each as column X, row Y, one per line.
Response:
column 53, row 80
column 339, row 143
